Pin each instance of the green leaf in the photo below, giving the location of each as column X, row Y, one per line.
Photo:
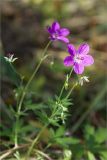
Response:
column 74, row 140
column 103, row 155
column 42, row 116
column 54, row 122
column 90, row 156
column 59, row 138
column 65, row 101
column 67, row 141
column 35, row 106
column 60, row 131
column 89, row 131
column 77, row 150
column 7, row 72
column 27, row 128
column 101, row 135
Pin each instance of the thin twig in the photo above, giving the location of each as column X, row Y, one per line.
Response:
column 43, row 154
column 11, row 151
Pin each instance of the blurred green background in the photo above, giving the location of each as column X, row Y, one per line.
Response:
column 23, row 32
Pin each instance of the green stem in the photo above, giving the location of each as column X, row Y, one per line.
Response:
column 38, row 136
column 73, row 129
column 35, row 141
column 64, row 84
column 44, row 56
column 42, row 130
column 70, row 73
column 69, row 93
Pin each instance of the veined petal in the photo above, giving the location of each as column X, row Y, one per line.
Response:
column 64, row 32
column 55, row 26
column 84, row 49
column 68, row 61
column 64, row 39
column 88, row 60
column 78, row 68
column 71, row 49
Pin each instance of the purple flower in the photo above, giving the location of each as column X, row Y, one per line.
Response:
column 78, row 58
column 57, row 33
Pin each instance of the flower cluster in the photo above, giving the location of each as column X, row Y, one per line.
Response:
column 78, row 59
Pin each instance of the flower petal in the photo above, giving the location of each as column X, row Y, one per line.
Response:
column 55, row 26
column 88, row 60
column 78, row 68
column 71, row 49
column 84, row 48
column 52, row 38
column 64, row 32
column 68, row 61
column 64, row 39
column 50, row 30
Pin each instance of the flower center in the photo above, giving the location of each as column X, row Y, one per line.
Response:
column 56, row 34
column 78, row 58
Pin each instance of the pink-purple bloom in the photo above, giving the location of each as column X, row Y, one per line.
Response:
column 78, row 58
column 58, row 33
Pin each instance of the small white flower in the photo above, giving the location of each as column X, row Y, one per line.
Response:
column 10, row 58
column 83, row 79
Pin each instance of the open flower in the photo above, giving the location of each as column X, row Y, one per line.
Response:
column 57, row 33
column 78, row 58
